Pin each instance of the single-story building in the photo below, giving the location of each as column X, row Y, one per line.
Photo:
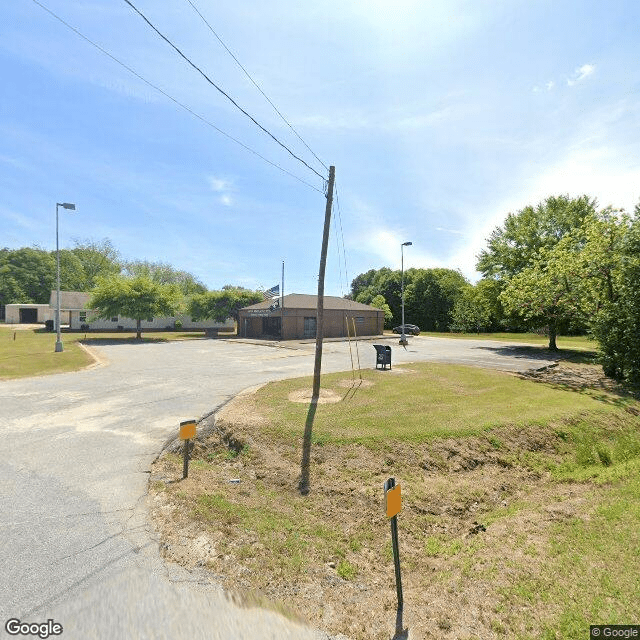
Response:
column 27, row 313
column 75, row 314
column 293, row 317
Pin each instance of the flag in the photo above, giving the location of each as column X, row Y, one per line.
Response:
column 269, row 294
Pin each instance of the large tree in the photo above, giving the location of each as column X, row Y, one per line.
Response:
column 429, row 294
column 139, row 298
column 533, row 257
column 220, row 305
column 617, row 322
column 26, row 275
column 164, row 273
column 98, row 258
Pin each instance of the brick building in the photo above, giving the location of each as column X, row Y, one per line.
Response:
column 294, row 317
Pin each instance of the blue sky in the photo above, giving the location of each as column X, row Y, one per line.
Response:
column 441, row 117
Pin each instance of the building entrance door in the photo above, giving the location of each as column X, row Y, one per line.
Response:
column 28, row 316
column 310, row 327
column 271, row 327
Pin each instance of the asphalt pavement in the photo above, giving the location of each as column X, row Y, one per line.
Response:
column 76, row 546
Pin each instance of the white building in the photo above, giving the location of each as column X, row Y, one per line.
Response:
column 75, row 314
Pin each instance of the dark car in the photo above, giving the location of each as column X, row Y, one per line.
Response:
column 408, row 328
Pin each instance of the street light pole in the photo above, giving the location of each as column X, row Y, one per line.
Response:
column 403, row 337
column 72, row 207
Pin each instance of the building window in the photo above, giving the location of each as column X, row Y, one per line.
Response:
column 114, row 319
column 83, row 316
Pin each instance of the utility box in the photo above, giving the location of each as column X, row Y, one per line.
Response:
column 383, row 355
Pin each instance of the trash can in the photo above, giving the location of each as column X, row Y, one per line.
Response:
column 383, row 355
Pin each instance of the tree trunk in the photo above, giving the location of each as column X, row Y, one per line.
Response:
column 139, row 329
column 552, row 336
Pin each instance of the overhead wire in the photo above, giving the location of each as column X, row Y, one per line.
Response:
column 344, row 250
column 224, row 93
column 255, row 84
column 175, row 101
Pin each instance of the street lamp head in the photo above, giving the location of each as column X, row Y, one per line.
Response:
column 406, row 244
column 67, row 205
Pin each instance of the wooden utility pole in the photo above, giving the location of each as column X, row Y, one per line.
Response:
column 323, row 264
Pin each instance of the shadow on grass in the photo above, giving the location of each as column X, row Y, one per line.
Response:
column 352, row 390
column 576, row 356
column 304, row 484
column 400, row 634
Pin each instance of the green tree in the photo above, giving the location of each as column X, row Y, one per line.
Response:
column 384, row 282
column 98, row 258
column 164, row 273
column 617, row 322
column 380, row 303
column 471, row 312
column 538, row 277
column 220, row 305
column 26, row 275
column 431, row 296
column 139, row 298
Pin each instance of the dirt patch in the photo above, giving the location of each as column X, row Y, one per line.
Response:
column 304, row 395
column 350, row 383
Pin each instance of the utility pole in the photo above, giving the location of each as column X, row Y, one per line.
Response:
column 323, row 263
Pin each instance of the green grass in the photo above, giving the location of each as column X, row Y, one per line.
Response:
column 583, row 343
column 589, row 575
column 436, row 400
column 545, row 576
column 31, row 352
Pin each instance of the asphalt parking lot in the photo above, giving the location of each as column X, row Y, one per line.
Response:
column 75, row 541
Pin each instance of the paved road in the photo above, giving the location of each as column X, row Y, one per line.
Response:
column 75, row 544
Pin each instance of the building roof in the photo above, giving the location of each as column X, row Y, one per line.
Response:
column 70, row 300
column 304, row 301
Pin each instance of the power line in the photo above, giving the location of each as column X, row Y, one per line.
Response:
column 255, row 84
column 180, row 104
column 224, row 93
column 344, row 251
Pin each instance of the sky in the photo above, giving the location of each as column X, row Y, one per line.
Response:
column 441, row 117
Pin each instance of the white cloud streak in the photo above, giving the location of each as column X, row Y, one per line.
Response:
column 581, row 73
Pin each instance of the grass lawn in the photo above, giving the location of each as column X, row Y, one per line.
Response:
column 30, row 352
column 564, row 342
column 520, row 510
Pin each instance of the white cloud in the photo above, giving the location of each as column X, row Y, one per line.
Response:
column 550, row 85
column 218, row 184
column 223, row 187
column 581, row 73
column 454, row 231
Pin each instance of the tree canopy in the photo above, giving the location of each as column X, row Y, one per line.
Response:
column 164, row 273
column 220, row 305
column 133, row 297
column 534, row 257
column 430, row 294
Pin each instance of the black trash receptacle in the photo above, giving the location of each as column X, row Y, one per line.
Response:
column 383, row 355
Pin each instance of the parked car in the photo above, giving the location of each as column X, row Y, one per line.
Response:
column 408, row 328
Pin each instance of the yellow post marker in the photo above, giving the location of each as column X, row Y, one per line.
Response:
column 393, row 501
column 392, row 506
column 187, row 432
